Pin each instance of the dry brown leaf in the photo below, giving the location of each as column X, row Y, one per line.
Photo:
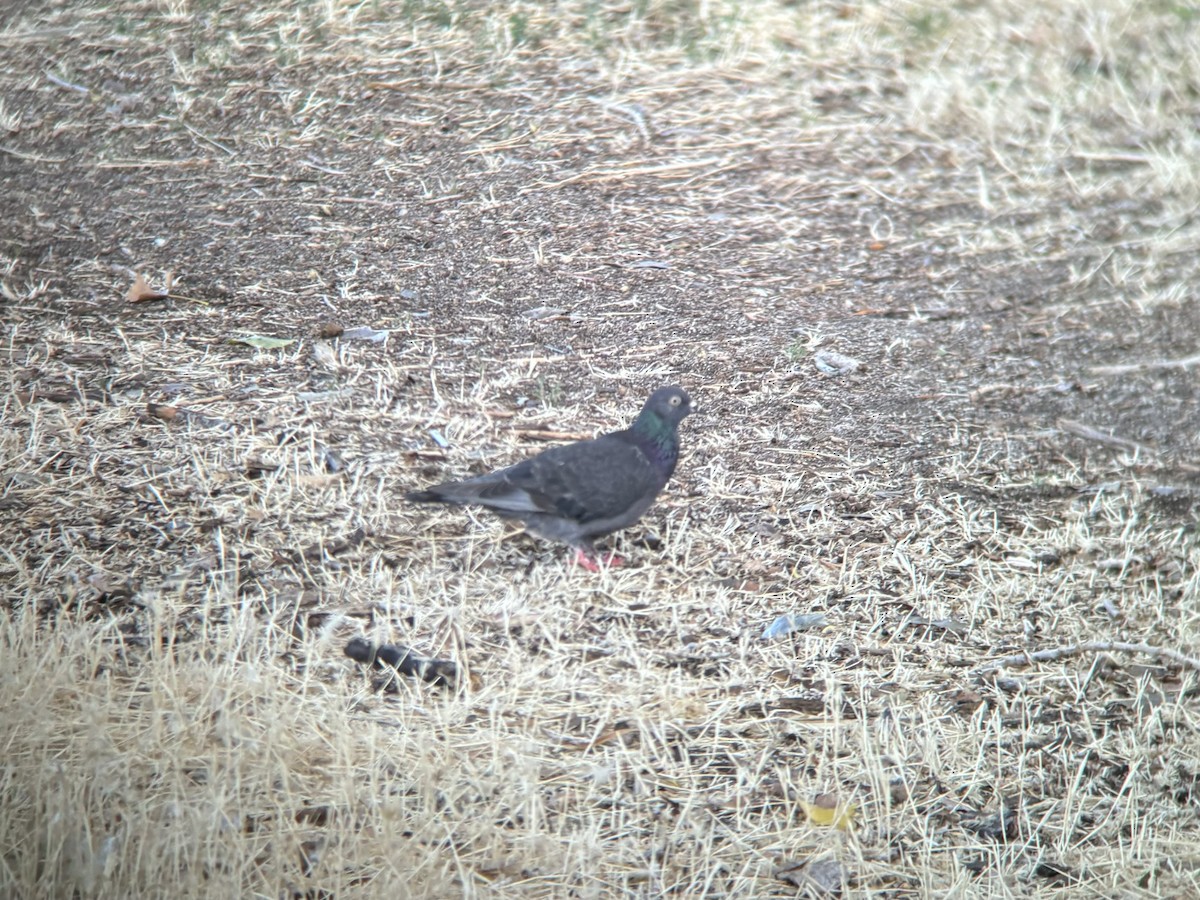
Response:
column 567, row 742
column 819, row 877
column 142, row 292
column 162, row 411
column 965, row 701
column 182, row 416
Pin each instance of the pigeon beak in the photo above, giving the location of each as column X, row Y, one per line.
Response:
column 693, row 407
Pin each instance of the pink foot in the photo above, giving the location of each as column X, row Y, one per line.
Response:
column 593, row 564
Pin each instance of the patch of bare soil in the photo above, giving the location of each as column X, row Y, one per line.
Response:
column 947, row 366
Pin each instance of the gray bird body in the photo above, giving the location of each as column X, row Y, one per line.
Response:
column 579, row 492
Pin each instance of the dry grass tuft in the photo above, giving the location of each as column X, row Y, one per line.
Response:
column 407, row 240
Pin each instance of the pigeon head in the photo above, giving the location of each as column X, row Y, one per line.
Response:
column 665, row 409
column 656, row 429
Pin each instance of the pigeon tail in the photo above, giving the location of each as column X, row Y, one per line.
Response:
column 426, row 497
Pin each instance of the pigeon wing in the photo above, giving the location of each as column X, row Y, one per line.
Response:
column 592, row 480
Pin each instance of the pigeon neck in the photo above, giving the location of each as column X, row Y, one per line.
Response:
column 658, row 439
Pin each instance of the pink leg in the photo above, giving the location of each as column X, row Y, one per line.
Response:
column 592, row 563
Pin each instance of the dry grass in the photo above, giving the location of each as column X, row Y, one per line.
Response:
column 990, row 205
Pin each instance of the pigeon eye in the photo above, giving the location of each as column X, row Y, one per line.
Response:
column 674, row 401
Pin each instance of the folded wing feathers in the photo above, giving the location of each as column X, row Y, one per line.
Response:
column 590, row 480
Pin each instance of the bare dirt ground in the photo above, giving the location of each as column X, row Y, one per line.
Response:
column 535, row 218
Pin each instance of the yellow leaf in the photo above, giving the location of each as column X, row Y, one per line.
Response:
column 828, row 812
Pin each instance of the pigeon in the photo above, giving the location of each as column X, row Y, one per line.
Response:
column 582, row 491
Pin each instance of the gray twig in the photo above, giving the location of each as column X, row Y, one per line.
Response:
column 1147, row 366
column 1087, row 432
column 1053, row 653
